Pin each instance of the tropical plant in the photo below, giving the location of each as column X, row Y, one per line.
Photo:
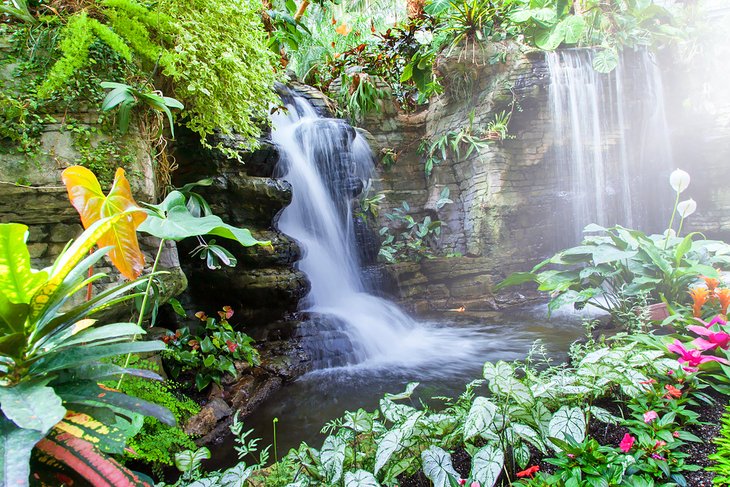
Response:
column 413, row 241
column 189, row 462
column 212, row 354
column 49, row 362
column 461, row 144
column 619, row 268
column 126, row 97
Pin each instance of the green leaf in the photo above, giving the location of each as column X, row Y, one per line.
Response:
column 568, row 422
column 173, row 221
column 18, row 282
column 480, row 417
column 32, row 406
column 573, row 26
column 236, row 476
column 606, row 253
column 394, row 441
column 189, row 461
column 437, row 466
column 606, row 60
column 486, row 465
column 410, row 387
column 682, row 249
column 516, row 279
column 360, row 478
column 16, row 445
column 62, row 359
column 332, row 457
column 12, row 317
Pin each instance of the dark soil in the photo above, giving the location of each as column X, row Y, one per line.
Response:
column 611, row 435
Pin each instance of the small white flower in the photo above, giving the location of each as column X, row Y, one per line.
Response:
column 686, row 208
column 679, row 180
column 669, row 233
column 423, row 37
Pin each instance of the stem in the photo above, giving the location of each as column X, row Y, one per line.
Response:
column 276, row 457
column 681, row 222
column 144, row 304
column 671, row 221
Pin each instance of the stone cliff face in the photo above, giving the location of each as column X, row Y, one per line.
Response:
column 507, row 212
column 502, row 195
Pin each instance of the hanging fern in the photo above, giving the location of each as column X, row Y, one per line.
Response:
column 214, row 52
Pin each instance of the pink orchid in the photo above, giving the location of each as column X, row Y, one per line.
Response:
column 650, row 416
column 714, row 339
column 626, row 443
column 692, row 357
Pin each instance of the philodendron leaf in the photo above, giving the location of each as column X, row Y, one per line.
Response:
column 437, row 466
column 360, row 478
column 332, row 457
column 16, row 445
column 172, row 220
column 606, row 60
column 18, row 282
column 32, row 406
column 480, row 417
column 89, row 200
column 486, row 465
column 568, row 422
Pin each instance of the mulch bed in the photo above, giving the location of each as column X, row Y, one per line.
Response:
column 612, row 435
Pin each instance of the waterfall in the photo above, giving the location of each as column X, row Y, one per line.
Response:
column 611, row 142
column 323, row 159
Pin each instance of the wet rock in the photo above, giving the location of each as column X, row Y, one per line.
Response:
column 202, row 423
column 220, row 408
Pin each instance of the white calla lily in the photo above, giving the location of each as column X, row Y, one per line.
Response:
column 679, row 180
column 686, row 208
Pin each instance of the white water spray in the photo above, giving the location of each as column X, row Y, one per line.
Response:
column 320, row 157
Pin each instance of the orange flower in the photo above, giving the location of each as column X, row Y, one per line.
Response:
column 700, row 295
column 723, row 295
column 672, row 392
column 711, row 282
column 201, row 315
column 343, row 29
column 529, row 472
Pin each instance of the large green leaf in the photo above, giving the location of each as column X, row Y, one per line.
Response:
column 332, row 457
column 486, row 465
column 236, row 476
column 394, row 441
column 172, row 220
column 437, row 466
column 603, row 254
column 18, row 281
column 32, row 406
column 12, row 316
column 480, row 417
column 16, row 445
column 606, row 60
column 360, row 478
column 76, row 356
column 568, row 422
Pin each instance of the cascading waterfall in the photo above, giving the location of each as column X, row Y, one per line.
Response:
column 611, row 141
column 324, row 159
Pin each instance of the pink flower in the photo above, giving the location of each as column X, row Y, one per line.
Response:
column 656, row 456
column 714, row 339
column 650, row 416
column 626, row 443
column 717, row 320
column 692, row 357
column 475, row 484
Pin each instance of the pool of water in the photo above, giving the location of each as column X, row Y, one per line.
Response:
column 469, row 340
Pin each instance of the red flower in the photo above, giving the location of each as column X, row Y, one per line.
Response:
column 529, row 472
column 626, row 443
column 232, row 346
column 226, row 313
column 672, row 392
column 167, row 338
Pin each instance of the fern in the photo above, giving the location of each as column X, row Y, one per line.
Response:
column 74, row 47
column 722, row 456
